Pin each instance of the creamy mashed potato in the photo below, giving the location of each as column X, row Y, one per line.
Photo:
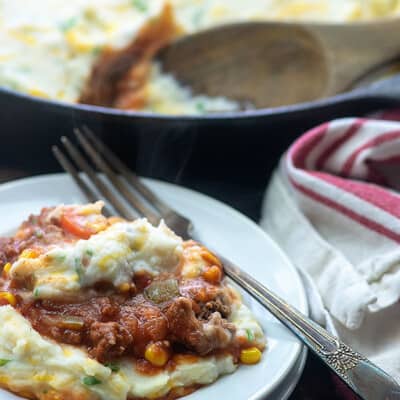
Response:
column 41, row 366
column 48, row 47
column 38, row 365
column 113, row 255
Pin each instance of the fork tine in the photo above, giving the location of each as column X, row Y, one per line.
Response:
column 97, row 160
column 103, row 189
column 129, row 175
column 73, row 172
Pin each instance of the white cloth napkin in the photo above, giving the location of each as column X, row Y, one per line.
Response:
column 330, row 208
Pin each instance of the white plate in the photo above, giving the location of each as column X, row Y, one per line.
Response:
column 286, row 387
column 232, row 235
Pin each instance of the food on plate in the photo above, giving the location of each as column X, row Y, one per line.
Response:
column 102, row 52
column 104, row 308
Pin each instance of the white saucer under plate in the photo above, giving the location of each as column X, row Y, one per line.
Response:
column 232, row 235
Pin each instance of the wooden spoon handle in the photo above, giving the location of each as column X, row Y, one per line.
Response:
column 353, row 50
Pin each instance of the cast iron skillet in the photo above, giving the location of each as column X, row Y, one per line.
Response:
column 229, row 156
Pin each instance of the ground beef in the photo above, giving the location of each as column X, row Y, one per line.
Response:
column 202, row 337
column 109, row 340
column 116, row 325
column 38, row 231
column 152, row 324
column 217, row 305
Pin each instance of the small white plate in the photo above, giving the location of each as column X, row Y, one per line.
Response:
column 232, row 235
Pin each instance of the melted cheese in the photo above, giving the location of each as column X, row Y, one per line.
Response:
column 113, row 255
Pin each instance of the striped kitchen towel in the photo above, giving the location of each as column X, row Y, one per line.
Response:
column 333, row 207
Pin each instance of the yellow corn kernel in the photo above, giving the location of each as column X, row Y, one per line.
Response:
column 42, row 377
column 24, row 37
column 250, row 356
column 78, row 42
column 37, row 92
column 156, row 354
column 7, row 268
column 219, row 11
column 8, row 297
column 212, row 274
column 124, row 287
column 210, row 258
column 30, row 253
column 115, row 220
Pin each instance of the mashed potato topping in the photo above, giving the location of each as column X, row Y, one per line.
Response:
column 39, row 366
column 42, row 367
column 48, row 47
column 102, row 308
column 112, row 255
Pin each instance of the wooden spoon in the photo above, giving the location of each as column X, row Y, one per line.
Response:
column 275, row 63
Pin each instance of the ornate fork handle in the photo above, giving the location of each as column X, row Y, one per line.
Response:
column 364, row 377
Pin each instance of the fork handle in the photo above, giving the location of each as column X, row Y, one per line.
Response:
column 360, row 374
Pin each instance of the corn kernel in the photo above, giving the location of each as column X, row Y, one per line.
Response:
column 115, row 220
column 156, row 354
column 8, row 298
column 37, row 92
column 124, row 287
column 212, row 274
column 210, row 258
column 6, row 268
column 250, row 356
column 78, row 42
column 30, row 253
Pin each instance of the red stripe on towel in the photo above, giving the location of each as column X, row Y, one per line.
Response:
column 361, row 219
column 383, row 138
column 302, row 147
column 370, row 193
column 351, row 131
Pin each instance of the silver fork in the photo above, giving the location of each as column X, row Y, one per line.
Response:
column 360, row 374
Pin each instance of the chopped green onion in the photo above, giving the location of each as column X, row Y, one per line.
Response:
column 90, row 381
column 68, row 24
column 3, row 362
column 112, row 366
column 78, row 271
column 78, row 267
column 140, row 5
column 200, row 106
column 96, row 51
column 36, row 292
column 89, row 252
column 197, row 17
column 60, row 259
column 38, row 233
column 250, row 335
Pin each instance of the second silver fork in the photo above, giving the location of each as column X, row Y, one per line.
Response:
column 134, row 200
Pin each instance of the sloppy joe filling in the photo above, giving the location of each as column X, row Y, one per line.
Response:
column 175, row 312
